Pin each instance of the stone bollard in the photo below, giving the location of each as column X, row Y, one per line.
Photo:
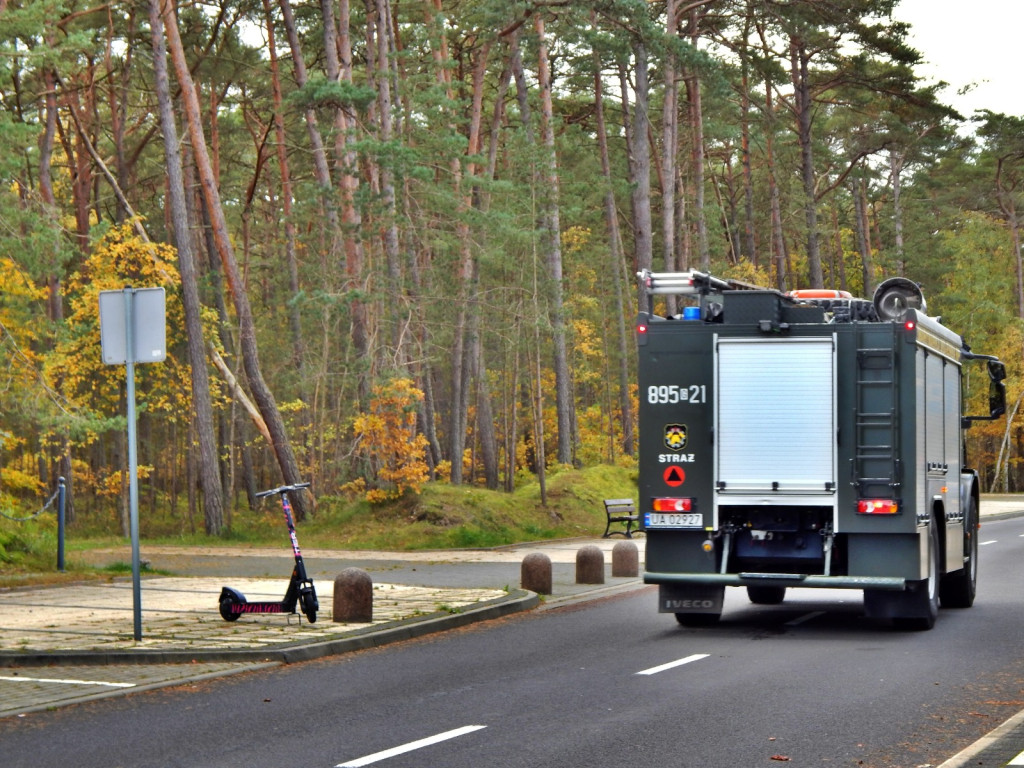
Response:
column 353, row 597
column 535, row 573
column 625, row 559
column 590, row 565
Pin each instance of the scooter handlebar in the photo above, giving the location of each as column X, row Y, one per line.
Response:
column 282, row 489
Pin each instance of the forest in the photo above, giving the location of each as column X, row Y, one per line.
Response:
column 399, row 238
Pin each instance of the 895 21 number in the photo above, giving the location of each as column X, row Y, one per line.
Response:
column 673, row 393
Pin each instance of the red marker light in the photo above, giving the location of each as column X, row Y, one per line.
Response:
column 641, row 329
column 910, row 325
column 878, row 507
column 672, row 505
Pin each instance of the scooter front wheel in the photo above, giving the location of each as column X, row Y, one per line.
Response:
column 309, row 605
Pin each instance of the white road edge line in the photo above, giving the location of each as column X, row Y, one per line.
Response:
column 412, row 745
column 64, row 681
column 983, row 543
column 673, row 664
column 1018, row 760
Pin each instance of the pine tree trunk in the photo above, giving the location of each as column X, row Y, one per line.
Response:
column 863, row 240
column 669, row 148
column 615, row 267
column 641, row 171
column 802, row 96
column 551, row 229
column 749, row 225
column 281, row 143
column 697, row 127
column 246, row 328
column 896, row 161
column 778, row 242
column 209, row 476
column 338, row 56
column 382, row 16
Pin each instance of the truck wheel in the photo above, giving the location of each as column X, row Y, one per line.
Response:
column 766, row 595
column 957, row 589
column 698, row 619
column 922, row 597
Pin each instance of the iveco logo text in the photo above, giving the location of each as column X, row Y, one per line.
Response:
column 674, row 604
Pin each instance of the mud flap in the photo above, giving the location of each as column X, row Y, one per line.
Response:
column 690, row 598
column 887, row 604
column 914, row 608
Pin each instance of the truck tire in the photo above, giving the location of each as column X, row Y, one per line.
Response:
column 698, row 619
column 766, row 595
column 922, row 597
column 957, row 589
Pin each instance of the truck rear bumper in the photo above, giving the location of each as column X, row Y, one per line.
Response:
column 894, row 583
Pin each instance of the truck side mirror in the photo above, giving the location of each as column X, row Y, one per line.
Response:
column 996, row 370
column 996, row 388
column 996, row 398
column 996, row 392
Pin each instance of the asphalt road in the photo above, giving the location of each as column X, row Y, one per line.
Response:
column 604, row 683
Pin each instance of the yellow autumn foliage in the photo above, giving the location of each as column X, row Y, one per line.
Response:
column 389, row 444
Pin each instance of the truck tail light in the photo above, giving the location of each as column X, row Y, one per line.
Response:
column 878, row 507
column 672, row 505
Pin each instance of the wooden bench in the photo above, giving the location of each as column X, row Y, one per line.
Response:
column 620, row 511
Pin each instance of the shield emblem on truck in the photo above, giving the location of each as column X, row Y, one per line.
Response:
column 675, row 436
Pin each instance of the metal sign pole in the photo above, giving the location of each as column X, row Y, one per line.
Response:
column 133, row 482
column 61, row 499
column 133, row 330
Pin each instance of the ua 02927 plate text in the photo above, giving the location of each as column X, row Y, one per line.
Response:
column 673, row 520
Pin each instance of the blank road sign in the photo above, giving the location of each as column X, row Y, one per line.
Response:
column 148, row 326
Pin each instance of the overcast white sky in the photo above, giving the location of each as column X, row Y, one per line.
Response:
column 971, row 41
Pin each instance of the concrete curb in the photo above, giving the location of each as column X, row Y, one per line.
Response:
column 369, row 637
column 993, row 738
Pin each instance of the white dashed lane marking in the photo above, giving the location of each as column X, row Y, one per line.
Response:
column 411, row 746
column 806, row 617
column 673, row 664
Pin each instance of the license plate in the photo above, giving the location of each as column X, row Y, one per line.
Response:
column 673, row 520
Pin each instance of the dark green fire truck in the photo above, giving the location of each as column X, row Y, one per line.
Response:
column 809, row 439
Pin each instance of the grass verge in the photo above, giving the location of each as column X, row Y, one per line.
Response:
column 443, row 516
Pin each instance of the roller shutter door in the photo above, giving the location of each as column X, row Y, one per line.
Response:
column 776, row 415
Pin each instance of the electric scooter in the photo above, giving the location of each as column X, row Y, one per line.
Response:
column 300, row 589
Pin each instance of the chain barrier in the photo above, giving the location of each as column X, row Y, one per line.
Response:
column 58, row 494
column 46, row 506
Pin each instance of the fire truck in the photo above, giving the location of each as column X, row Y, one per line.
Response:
column 809, row 439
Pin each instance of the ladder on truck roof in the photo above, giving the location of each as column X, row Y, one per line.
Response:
column 840, row 305
column 690, row 283
column 876, row 468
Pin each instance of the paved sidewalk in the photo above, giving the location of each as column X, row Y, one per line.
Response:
column 73, row 643
column 180, row 620
column 413, row 591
